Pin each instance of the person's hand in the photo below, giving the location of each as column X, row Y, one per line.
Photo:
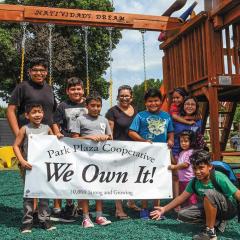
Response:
column 170, row 143
column 149, row 141
column 95, row 138
column 104, row 138
column 191, row 122
column 59, row 135
column 26, row 165
column 171, row 167
column 157, row 213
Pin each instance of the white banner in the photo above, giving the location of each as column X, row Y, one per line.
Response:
column 81, row 169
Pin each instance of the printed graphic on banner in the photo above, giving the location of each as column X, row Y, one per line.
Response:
column 81, row 169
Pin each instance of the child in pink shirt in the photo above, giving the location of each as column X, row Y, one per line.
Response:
column 183, row 166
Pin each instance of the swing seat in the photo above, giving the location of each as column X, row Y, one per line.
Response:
column 7, row 157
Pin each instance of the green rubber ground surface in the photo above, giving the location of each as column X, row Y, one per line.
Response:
column 11, row 213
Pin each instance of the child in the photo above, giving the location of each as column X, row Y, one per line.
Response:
column 177, row 99
column 94, row 127
column 152, row 125
column 65, row 116
column 184, row 168
column 34, row 113
column 215, row 207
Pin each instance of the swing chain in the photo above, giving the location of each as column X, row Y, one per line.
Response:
column 144, row 59
column 50, row 48
column 110, row 67
column 24, row 30
column 85, row 28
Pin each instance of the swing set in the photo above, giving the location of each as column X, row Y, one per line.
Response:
column 201, row 54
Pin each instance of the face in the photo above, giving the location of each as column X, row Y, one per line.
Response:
column 38, row 74
column 184, row 142
column 177, row 98
column 125, row 98
column 190, row 107
column 35, row 116
column 94, row 108
column 153, row 104
column 202, row 171
column 75, row 93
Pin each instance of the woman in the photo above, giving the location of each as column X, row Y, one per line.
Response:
column 189, row 108
column 120, row 118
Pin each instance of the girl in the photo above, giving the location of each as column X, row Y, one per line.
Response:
column 184, row 168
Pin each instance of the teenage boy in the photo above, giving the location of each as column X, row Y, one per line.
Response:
column 214, row 207
column 34, row 113
column 152, row 125
column 93, row 127
column 64, row 118
column 35, row 90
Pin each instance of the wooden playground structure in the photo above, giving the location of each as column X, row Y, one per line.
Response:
column 202, row 54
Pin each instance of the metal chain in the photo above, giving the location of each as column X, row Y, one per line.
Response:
column 85, row 28
column 110, row 67
column 144, row 59
column 50, row 29
column 24, row 30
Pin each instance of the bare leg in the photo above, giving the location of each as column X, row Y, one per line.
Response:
column 119, row 209
column 210, row 212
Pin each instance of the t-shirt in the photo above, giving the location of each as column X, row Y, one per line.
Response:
column 66, row 115
column 88, row 125
column 152, row 126
column 226, row 185
column 29, row 92
column 32, row 129
column 178, row 128
column 185, row 175
column 174, row 109
column 122, row 122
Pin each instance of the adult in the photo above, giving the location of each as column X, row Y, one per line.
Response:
column 120, row 118
column 34, row 90
column 189, row 108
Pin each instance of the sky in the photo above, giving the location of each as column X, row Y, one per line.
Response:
column 127, row 65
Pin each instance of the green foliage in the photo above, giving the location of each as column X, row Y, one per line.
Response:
column 138, row 92
column 237, row 115
column 68, row 49
column 3, row 112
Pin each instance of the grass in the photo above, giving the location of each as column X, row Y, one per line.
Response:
column 11, row 214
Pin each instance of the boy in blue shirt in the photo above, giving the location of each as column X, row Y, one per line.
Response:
column 152, row 125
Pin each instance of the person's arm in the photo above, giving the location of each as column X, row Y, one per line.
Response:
column 136, row 137
column 12, row 119
column 16, row 147
column 179, row 166
column 111, row 124
column 56, row 131
column 180, row 119
column 156, row 214
column 237, row 195
column 170, row 141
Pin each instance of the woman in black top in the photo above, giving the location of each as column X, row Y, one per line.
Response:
column 120, row 118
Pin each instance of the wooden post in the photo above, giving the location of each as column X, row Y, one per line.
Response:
column 208, row 5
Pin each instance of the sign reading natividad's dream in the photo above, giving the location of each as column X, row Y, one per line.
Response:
column 81, row 169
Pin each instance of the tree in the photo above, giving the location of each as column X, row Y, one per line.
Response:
column 68, row 48
column 138, row 92
column 3, row 112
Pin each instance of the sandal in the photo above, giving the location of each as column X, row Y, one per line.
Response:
column 134, row 207
column 122, row 217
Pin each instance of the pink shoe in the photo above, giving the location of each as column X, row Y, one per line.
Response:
column 102, row 221
column 87, row 223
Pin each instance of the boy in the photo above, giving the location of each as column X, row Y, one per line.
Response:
column 34, row 113
column 35, row 90
column 214, row 208
column 65, row 116
column 93, row 127
column 152, row 125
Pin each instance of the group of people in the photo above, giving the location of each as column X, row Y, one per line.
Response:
column 33, row 110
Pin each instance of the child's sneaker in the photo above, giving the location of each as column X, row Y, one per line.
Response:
column 206, row 234
column 47, row 225
column 102, row 221
column 26, row 228
column 87, row 223
column 61, row 216
column 144, row 214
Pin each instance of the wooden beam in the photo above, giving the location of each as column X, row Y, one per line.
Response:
column 78, row 17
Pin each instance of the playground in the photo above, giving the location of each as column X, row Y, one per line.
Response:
column 201, row 54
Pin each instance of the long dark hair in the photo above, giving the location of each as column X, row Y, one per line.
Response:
column 182, row 111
